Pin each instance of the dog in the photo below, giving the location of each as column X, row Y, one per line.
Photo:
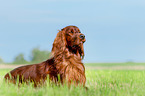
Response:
column 65, row 62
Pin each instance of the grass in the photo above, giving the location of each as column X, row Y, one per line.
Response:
column 115, row 64
column 99, row 82
column 101, row 64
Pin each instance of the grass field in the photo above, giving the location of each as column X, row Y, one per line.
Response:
column 99, row 83
column 124, row 66
column 115, row 64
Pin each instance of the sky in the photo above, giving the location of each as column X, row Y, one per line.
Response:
column 114, row 29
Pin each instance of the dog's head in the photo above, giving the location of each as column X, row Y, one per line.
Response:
column 69, row 38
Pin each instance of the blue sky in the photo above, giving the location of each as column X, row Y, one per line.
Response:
column 114, row 29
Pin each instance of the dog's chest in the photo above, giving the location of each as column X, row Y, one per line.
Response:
column 74, row 71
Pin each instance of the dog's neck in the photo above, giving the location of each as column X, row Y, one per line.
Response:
column 73, row 50
column 68, row 58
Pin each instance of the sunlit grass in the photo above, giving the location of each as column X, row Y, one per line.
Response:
column 115, row 64
column 99, row 83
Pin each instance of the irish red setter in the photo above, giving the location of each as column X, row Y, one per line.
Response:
column 67, row 53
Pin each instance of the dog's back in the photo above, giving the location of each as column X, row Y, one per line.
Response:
column 36, row 73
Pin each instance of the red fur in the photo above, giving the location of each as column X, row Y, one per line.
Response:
column 67, row 53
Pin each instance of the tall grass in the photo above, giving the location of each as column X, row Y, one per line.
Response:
column 99, row 83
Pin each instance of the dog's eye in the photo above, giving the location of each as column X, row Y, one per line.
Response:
column 71, row 32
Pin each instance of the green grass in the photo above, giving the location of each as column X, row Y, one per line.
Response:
column 99, row 83
column 115, row 64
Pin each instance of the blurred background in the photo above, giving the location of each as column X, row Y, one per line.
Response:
column 114, row 29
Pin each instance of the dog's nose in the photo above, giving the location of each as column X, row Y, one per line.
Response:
column 82, row 36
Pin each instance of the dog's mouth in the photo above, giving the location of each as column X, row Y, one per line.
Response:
column 84, row 40
column 78, row 45
column 77, row 49
column 75, row 46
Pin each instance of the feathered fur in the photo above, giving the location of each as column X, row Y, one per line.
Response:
column 67, row 53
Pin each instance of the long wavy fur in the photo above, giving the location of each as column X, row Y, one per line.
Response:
column 64, row 62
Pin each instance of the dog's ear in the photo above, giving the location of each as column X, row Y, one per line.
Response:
column 59, row 44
